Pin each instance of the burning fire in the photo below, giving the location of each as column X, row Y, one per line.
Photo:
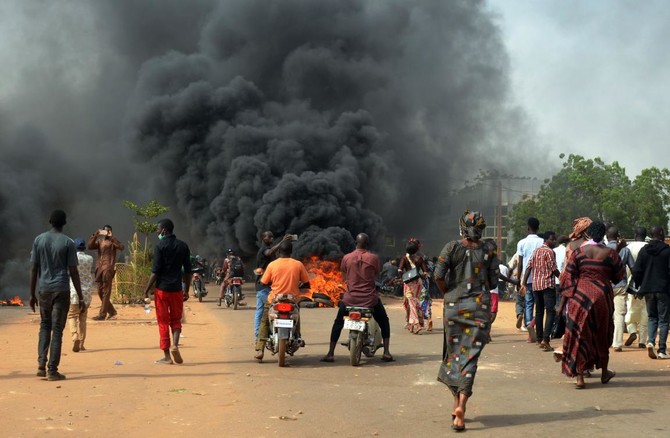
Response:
column 325, row 277
column 16, row 301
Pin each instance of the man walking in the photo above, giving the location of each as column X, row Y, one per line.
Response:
column 615, row 242
column 360, row 269
column 53, row 257
column 525, row 249
column 542, row 265
column 651, row 273
column 77, row 315
column 171, row 268
column 266, row 254
column 636, row 313
column 107, row 245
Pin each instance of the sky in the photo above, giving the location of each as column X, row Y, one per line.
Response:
column 592, row 76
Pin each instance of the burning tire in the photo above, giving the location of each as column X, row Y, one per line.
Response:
column 322, row 299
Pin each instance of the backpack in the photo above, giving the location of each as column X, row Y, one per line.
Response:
column 236, row 267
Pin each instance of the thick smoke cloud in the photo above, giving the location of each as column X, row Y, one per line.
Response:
column 322, row 119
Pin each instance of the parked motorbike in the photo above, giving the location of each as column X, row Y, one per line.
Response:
column 198, row 284
column 364, row 333
column 284, row 317
column 233, row 294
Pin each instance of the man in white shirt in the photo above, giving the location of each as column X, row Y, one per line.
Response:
column 76, row 316
column 636, row 314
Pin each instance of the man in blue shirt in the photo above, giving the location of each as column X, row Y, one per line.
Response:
column 54, row 262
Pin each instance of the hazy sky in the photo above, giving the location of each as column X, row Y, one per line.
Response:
column 593, row 76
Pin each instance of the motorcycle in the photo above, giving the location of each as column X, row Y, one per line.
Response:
column 198, row 285
column 284, row 317
column 233, row 294
column 364, row 333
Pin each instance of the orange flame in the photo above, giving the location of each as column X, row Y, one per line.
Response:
column 16, row 301
column 325, row 277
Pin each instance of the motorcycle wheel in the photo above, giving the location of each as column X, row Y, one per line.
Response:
column 236, row 296
column 200, row 296
column 355, row 347
column 227, row 299
column 282, row 352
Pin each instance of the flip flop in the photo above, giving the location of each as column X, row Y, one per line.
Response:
column 176, row 355
column 609, row 376
column 388, row 358
column 328, row 359
column 458, row 428
column 163, row 361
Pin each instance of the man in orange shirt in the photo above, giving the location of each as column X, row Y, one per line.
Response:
column 284, row 276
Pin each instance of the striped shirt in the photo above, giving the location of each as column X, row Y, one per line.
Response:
column 543, row 264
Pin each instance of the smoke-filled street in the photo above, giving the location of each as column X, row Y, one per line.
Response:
column 115, row 388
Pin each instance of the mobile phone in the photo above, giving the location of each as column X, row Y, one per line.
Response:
column 294, row 237
column 102, row 232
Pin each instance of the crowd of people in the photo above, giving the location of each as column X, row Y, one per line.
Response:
column 604, row 287
column 588, row 289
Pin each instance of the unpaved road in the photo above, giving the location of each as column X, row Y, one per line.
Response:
column 115, row 388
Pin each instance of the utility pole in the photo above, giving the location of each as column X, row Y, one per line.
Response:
column 499, row 218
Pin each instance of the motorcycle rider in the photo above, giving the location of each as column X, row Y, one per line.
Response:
column 360, row 269
column 266, row 254
column 232, row 267
column 283, row 276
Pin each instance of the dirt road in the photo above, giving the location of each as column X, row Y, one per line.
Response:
column 115, row 388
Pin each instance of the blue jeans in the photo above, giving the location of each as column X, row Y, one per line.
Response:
column 658, row 309
column 528, row 314
column 261, row 299
column 54, row 307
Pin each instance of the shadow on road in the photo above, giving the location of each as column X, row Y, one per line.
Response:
column 507, row 420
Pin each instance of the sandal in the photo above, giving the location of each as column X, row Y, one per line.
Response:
column 387, row 358
column 608, row 377
column 164, row 361
column 328, row 359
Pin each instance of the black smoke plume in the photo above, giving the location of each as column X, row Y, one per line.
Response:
column 320, row 118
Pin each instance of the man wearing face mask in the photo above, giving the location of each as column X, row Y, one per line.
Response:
column 171, row 268
column 107, row 245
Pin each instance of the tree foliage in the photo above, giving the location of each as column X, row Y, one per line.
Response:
column 144, row 215
column 601, row 191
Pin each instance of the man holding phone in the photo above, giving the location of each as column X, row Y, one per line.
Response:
column 107, row 245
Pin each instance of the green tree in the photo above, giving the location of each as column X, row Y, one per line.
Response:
column 651, row 193
column 144, row 215
column 593, row 188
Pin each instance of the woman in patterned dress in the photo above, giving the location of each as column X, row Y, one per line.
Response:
column 586, row 289
column 472, row 272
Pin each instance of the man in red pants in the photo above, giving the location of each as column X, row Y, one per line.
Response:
column 171, row 269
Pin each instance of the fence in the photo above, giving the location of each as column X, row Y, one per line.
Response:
column 129, row 283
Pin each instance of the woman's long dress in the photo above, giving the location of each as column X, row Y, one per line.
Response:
column 469, row 272
column 589, row 328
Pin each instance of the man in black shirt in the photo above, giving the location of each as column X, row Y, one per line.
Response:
column 171, row 268
column 266, row 254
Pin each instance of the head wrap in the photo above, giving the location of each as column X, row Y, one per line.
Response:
column 471, row 224
column 579, row 225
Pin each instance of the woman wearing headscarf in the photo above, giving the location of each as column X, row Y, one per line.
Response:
column 413, row 263
column 465, row 273
column 586, row 290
